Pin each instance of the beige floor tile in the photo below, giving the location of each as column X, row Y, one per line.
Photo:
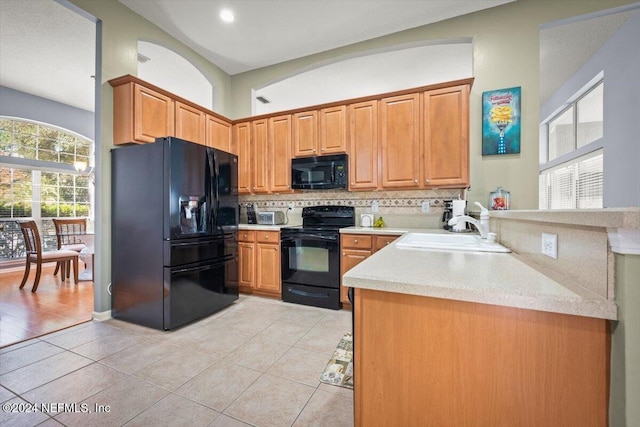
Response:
column 219, row 342
column 139, row 356
column 176, row 369
column 24, row 356
column 343, row 391
column 248, row 323
column 304, row 314
column 50, row 422
column 300, row 365
column 226, row 421
column 5, row 395
column 76, row 386
column 41, row 372
column 286, row 331
column 271, row 401
column 15, row 418
column 326, row 409
column 81, row 334
column 258, row 353
column 16, row 346
column 321, row 339
column 219, row 385
column 125, row 400
column 108, row 345
column 175, row 411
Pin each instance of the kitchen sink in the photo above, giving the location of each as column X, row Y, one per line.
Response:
column 451, row 241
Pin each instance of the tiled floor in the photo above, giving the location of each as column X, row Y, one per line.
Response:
column 255, row 363
column 55, row 305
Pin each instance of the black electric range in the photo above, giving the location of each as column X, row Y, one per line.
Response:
column 311, row 256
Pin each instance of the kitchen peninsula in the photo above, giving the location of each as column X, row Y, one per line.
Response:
column 468, row 338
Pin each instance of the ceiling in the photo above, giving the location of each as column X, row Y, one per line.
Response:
column 267, row 32
column 49, row 51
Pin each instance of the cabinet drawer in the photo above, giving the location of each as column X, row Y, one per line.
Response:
column 382, row 241
column 246, row 236
column 356, row 241
column 268, row 237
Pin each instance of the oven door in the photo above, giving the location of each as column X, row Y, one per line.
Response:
column 311, row 259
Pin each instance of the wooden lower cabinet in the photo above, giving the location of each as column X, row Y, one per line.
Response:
column 259, row 262
column 423, row 361
column 355, row 248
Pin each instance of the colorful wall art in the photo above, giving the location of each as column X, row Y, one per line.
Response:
column 501, row 121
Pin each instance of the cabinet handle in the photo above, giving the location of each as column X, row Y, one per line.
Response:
column 275, row 249
column 426, row 180
column 343, row 254
column 266, row 237
column 387, row 243
column 415, row 180
column 314, row 150
column 351, row 182
column 355, row 240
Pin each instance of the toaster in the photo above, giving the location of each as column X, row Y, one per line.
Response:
column 271, row 218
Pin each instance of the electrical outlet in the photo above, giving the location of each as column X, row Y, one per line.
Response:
column 290, row 206
column 550, row 245
column 425, row 207
column 374, row 206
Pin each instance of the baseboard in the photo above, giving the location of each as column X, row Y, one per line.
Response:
column 101, row 316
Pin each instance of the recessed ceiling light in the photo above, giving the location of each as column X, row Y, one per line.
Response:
column 226, row 15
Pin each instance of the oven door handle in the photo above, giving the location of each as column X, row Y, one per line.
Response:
column 309, row 236
column 309, row 294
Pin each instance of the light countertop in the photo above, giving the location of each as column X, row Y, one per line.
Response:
column 262, row 227
column 487, row 278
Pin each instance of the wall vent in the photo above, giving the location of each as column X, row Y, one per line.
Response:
column 263, row 99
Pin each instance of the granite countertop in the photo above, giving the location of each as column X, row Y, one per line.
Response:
column 479, row 277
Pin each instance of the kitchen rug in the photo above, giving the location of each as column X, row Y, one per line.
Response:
column 339, row 370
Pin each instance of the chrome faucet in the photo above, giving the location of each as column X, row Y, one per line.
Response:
column 482, row 226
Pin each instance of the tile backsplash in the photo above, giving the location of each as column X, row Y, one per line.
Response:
column 388, row 201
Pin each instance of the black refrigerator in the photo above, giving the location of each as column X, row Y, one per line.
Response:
column 174, row 219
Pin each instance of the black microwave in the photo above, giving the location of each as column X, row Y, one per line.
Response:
column 319, row 172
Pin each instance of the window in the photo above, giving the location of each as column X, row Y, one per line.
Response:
column 571, row 175
column 38, row 180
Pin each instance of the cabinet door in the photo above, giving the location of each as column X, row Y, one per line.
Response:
column 305, row 134
column 280, row 153
column 260, row 176
column 363, row 146
column 399, row 136
column 246, row 265
column 242, row 138
column 446, row 137
column 332, row 130
column 268, row 268
column 190, row 123
column 153, row 115
column 382, row 241
column 218, row 133
column 350, row 258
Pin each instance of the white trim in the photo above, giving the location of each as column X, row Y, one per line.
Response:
column 625, row 241
column 101, row 316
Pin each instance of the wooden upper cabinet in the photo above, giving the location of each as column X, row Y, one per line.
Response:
column 190, row 123
column 259, row 144
column 399, row 124
column 305, row 134
column 446, row 137
column 363, row 146
column 141, row 114
column 332, row 130
column 280, row 153
column 242, row 139
column 218, row 133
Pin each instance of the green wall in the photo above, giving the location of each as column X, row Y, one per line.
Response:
column 625, row 345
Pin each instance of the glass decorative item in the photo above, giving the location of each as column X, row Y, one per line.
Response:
column 499, row 199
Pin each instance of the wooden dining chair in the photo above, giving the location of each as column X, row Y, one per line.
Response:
column 68, row 233
column 35, row 255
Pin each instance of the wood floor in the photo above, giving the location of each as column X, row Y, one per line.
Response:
column 56, row 305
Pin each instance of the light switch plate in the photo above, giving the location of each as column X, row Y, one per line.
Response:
column 550, row 245
column 425, row 207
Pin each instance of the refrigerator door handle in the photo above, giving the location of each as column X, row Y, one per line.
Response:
column 213, row 189
column 216, row 205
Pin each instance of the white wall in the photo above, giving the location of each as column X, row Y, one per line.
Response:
column 370, row 73
column 170, row 71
